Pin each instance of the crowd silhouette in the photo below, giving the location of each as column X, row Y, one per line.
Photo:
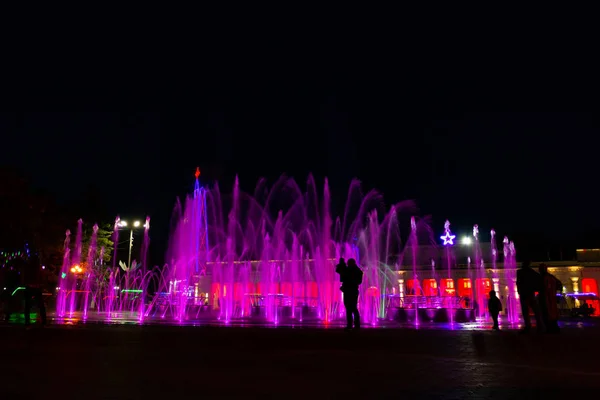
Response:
column 537, row 293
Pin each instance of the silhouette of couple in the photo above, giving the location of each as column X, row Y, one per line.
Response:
column 544, row 306
column 351, row 278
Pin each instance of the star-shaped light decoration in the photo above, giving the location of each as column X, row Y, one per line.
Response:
column 448, row 237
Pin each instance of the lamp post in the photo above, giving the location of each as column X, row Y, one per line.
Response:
column 136, row 224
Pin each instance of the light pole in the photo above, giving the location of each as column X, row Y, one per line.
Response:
column 136, row 224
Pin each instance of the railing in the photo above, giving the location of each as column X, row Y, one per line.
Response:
column 416, row 301
column 258, row 300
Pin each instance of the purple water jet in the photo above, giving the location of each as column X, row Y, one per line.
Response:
column 414, row 244
column 90, row 266
column 481, row 289
column 62, row 289
column 510, row 267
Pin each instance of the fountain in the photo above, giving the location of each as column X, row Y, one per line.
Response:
column 270, row 257
column 274, row 263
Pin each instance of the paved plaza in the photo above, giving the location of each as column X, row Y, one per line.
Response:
column 96, row 361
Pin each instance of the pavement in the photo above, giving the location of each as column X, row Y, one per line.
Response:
column 98, row 361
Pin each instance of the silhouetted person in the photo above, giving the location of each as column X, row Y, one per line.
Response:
column 341, row 269
column 11, row 283
column 494, row 306
column 529, row 282
column 585, row 309
column 352, row 279
column 548, row 304
column 29, row 277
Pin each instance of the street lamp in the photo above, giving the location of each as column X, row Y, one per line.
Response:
column 136, row 224
column 76, row 269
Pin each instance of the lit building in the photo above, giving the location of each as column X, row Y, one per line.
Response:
column 464, row 279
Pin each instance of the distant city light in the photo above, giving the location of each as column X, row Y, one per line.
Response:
column 136, row 223
column 466, row 241
column 122, row 223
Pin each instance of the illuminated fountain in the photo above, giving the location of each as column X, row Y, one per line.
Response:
column 91, row 288
column 121, row 291
column 270, row 257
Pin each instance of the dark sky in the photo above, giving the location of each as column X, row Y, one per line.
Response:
column 526, row 174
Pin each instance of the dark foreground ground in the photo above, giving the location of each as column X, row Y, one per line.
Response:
column 163, row 362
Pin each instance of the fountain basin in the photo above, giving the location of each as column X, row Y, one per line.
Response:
column 438, row 315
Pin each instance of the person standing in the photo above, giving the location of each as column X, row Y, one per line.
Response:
column 548, row 303
column 352, row 279
column 30, row 278
column 11, row 283
column 528, row 283
column 494, row 306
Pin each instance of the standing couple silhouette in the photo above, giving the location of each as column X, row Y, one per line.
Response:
column 351, row 278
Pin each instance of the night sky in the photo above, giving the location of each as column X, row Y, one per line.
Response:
column 531, row 176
